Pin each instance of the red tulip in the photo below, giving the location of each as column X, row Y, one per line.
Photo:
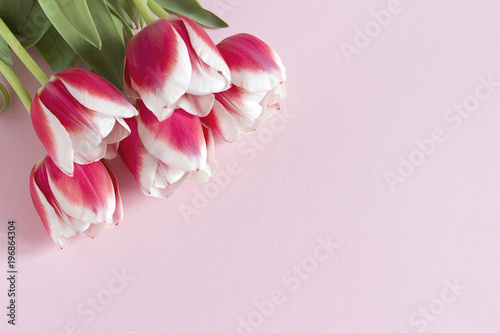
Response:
column 78, row 117
column 86, row 203
column 258, row 77
column 163, row 155
column 172, row 63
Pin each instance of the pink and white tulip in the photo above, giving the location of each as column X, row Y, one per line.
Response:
column 258, row 77
column 163, row 155
column 85, row 204
column 78, row 117
column 172, row 63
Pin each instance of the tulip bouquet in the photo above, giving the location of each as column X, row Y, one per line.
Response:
column 157, row 90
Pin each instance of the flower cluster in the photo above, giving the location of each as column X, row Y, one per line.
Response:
column 183, row 89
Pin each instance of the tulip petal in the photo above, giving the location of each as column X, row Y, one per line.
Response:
column 154, row 178
column 127, row 86
column 119, row 132
column 53, row 220
column 132, row 153
column 210, row 71
column 85, row 127
column 177, row 141
column 84, row 139
column 243, row 106
column 95, row 93
column 92, row 155
column 78, row 226
column 111, row 151
column 95, row 229
column 270, row 104
column 167, row 181
column 53, row 136
column 118, row 214
column 222, row 122
column 88, row 196
column 205, row 48
column 253, row 64
column 211, row 165
column 157, row 61
column 196, row 105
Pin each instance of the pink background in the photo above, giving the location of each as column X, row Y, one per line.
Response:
column 320, row 175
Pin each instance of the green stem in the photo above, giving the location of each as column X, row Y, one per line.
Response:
column 21, row 53
column 146, row 13
column 157, row 9
column 14, row 82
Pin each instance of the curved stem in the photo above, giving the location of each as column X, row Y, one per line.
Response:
column 21, row 53
column 146, row 13
column 14, row 82
column 157, row 9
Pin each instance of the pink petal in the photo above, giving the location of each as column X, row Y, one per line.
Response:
column 91, row 155
column 45, row 204
column 95, row 93
column 270, row 104
column 90, row 132
column 88, row 196
column 221, row 122
column 167, row 181
column 253, row 64
column 210, row 166
column 196, row 105
column 210, row 71
column 118, row 214
column 127, row 86
column 243, row 106
column 177, row 141
column 53, row 136
column 119, row 132
column 153, row 177
column 95, row 229
column 157, row 61
column 111, row 151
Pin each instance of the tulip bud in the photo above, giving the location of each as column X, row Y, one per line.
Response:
column 258, row 77
column 86, row 203
column 78, row 117
column 172, row 63
column 163, row 155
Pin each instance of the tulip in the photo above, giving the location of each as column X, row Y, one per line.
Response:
column 164, row 155
column 172, row 63
column 86, row 203
column 78, row 117
column 258, row 77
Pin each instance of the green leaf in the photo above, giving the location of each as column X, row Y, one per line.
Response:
column 35, row 21
column 119, row 27
column 193, row 10
column 54, row 49
column 36, row 26
column 15, row 13
column 127, row 28
column 5, row 55
column 108, row 61
column 35, row 38
column 6, row 98
column 77, row 14
column 126, row 10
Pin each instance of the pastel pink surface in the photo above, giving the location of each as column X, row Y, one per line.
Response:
column 313, row 170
